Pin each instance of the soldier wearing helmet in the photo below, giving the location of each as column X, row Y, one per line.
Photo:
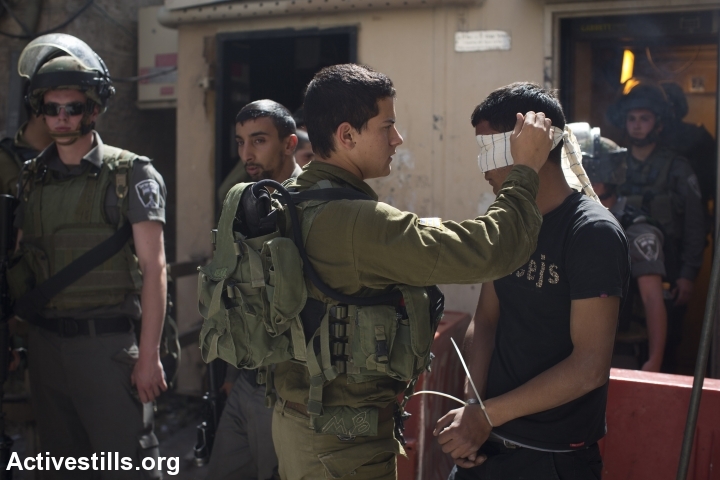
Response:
column 92, row 382
column 663, row 184
column 604, row 162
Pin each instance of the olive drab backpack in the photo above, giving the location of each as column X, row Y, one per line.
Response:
column 259, row 310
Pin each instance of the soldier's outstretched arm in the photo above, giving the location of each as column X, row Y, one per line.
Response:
column 147, row 375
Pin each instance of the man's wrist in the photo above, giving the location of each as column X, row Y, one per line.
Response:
column 475, row 401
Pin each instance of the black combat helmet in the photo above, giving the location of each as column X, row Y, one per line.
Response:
column 60, row 61
column 640, row 94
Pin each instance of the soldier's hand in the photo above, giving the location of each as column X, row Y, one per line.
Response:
column 531, row 140
column 461, row 433
column 683, row 291
column 148, row 377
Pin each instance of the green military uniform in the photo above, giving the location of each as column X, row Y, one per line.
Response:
column 82, row 346
column 364, row 248
column 665, row 186
column 13, row 153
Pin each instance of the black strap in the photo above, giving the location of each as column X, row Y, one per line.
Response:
column 392, row 298
column 29, row 306
column 328, row 194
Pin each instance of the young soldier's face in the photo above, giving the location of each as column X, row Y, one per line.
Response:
column 376, row 144
column 639, row 123
column 261, row 149
column 497, row 176
column 62, row 123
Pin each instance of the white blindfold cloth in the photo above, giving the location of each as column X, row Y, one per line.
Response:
column 495, row 153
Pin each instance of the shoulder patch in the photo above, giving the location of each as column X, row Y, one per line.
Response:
column 148, row 191
column 648, row 246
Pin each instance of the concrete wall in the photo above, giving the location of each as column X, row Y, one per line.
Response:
column 435, row 171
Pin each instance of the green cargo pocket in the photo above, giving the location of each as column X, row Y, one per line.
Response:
column 348, row 460
column 348, row 422
column 285, row 290
column 372, row 342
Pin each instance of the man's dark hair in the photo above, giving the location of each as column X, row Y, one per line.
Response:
column 500, row 108
column 303, row 138
column 280, row 116
column 342, row 93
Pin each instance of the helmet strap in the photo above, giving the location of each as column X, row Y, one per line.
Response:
column 68, row 138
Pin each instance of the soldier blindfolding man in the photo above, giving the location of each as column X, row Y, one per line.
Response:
column 605, row 164
column 92, row 384
column 365, row 248
column 540, row 343
column 243, row 448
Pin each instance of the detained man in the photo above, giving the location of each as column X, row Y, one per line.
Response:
column 540, row 343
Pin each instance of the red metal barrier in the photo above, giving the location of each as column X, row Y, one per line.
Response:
column 646, row 416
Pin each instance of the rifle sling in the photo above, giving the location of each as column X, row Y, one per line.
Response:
column 30, row 305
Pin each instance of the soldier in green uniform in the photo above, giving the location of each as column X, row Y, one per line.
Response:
column 366, row 248
column 92, row 384
column 30, row 139
column 663, row 184
column 604, row 162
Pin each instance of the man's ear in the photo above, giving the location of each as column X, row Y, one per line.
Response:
column 95, row 113
column 290, row 144
column 345, row 136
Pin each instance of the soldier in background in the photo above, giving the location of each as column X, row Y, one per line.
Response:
column 605, row 165
column 691, row 141
column 92, row 381
column 304, row 152
column 663, row 184
column 29, row 141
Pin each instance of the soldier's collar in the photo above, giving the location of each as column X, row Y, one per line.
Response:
column 94, row 156
column 318, row 170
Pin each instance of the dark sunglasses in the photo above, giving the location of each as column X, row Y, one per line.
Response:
column 72, row 109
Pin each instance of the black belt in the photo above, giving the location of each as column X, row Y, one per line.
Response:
column 73, row 327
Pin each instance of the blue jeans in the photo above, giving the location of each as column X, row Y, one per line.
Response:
column 525, row 464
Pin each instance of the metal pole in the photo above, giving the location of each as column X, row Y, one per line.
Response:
column 700, row 366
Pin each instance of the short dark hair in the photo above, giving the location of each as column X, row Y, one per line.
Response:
column 303, row 138
column 280, row 116
column 500, row 108
column 342, row 93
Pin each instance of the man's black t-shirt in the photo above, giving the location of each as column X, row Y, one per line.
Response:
column 582, row 253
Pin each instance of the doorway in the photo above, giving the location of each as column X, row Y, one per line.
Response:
column 276, row 65
column 597, row 54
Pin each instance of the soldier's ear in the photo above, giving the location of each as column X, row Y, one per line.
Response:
column 345, row 137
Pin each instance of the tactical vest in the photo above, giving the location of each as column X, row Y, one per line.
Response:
column 261, row 307
column 647, row 189
column 63, row 219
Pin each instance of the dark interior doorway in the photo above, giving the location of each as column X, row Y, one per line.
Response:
column 274, row 64
column 680, row 48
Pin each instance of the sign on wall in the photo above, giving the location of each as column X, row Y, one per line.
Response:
column 482, row 41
